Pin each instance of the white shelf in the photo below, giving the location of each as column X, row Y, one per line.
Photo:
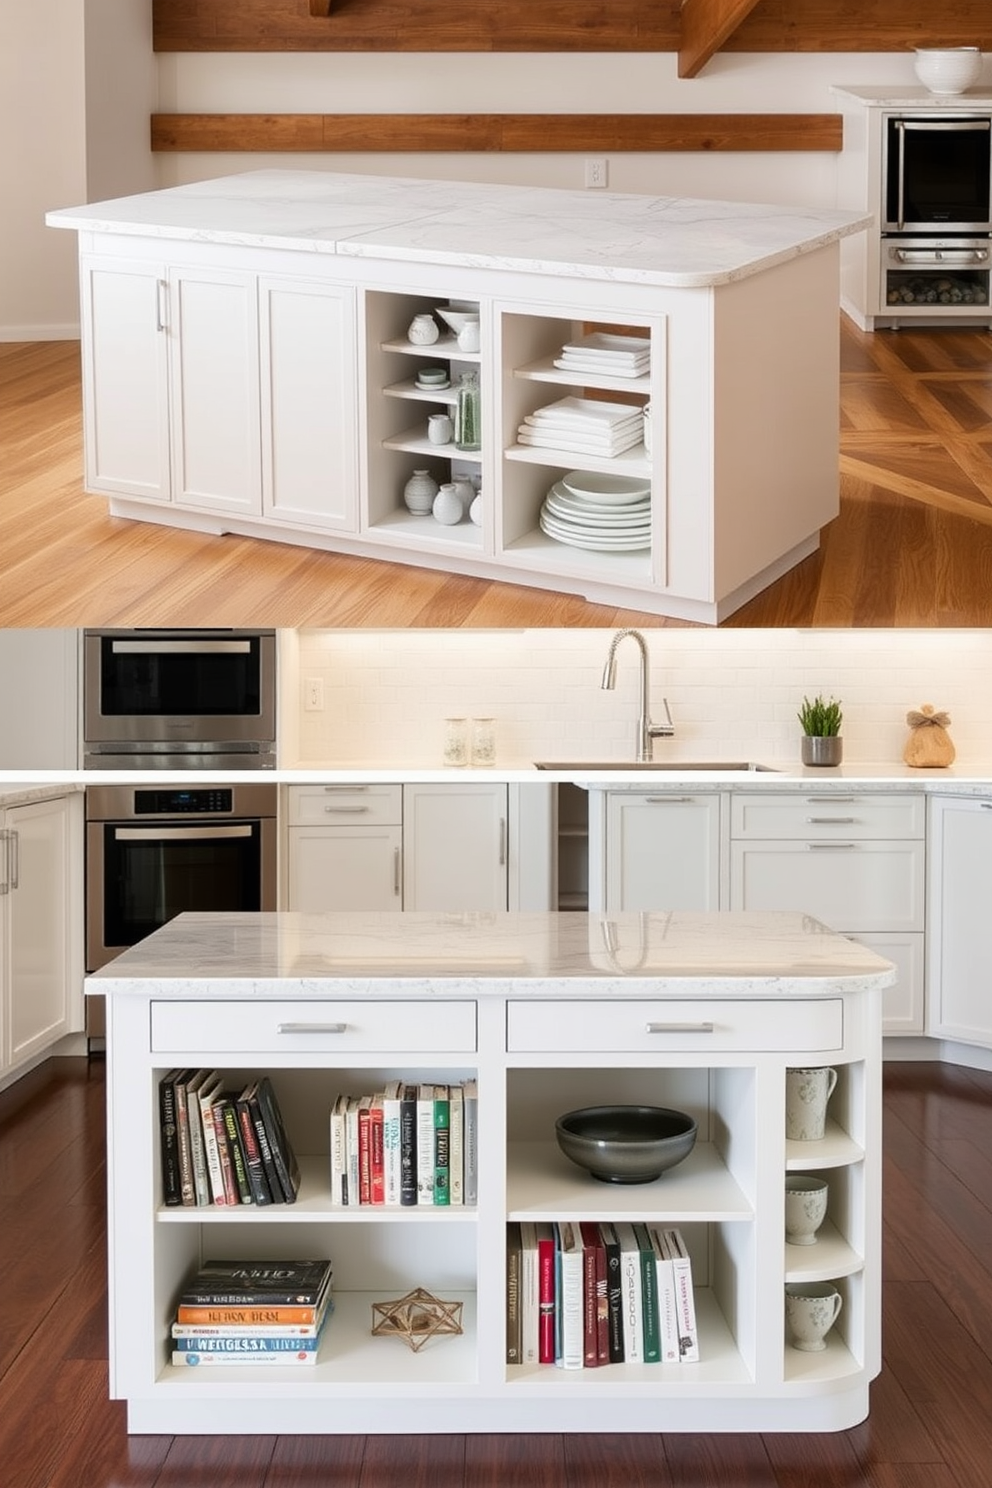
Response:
column 544, row 1184
column 415, row 392
column 404, row 526
column 446, row 348
column 632, row 462
column 313, row 1204
column 813, row 1372
column 830, row 1256
column 350, row 1355
column 835, row 1149
column 546, row 371
column 720, row 1365
column 415, row 441
column 535, row 550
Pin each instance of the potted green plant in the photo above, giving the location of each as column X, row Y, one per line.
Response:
column 821, row 719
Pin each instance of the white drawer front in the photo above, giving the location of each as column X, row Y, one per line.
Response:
column 345, row 805
column 673, row 1027
column 314, row 1027
column 848, row 884
column 809, row 814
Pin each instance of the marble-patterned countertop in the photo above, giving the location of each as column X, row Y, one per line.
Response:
column 25, row 795
column 892, row 95
column 427, row 955
column 625, row 238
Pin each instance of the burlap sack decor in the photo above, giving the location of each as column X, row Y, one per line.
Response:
column 929, row 744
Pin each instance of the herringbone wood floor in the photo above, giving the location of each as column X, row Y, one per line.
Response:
column 930, row 1424
column 912, row 545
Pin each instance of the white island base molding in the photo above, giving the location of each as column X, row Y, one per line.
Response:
column 247, row 368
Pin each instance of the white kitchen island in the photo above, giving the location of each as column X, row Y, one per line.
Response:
column 247, row 369
column 546, row 1012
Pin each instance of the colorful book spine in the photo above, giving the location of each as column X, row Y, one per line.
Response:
column 514, row 1315
column 169, row 1138
column 596, row 1341
column 425, row 1144
column 614, row 1291
column 339, row 1152
column 391, row 1101
column 529, row 1292
column 546, row 1294
column 257, row 1181
column 408, row 1146
column 650, row 1326
column 442, row 1146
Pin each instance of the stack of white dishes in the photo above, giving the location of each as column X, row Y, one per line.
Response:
column 584, row 426
column 603, row 512
column 610, row 356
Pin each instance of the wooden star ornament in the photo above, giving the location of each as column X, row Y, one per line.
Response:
column 415, row 1318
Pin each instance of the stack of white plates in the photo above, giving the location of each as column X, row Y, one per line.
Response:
column 610, row 356
column 608, row 513
column 585, row 426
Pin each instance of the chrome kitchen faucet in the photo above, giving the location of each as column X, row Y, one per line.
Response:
column 647, row 731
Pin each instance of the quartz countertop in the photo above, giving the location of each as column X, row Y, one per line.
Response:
column 892, row 95
column 624, row 238
column 417, row 954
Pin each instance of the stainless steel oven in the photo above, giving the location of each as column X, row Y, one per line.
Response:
column 179, row 699
column 937, row 173
column 153, row 852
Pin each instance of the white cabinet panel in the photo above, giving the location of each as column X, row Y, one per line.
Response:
column 341, row 805
column 355, row 868
column 904, row 1004
column 125, row 378
column 213, row 331
column 850, row 886
column 960, row 926
column 455, row 848
column 663, row 851
column 39, row 699
column 309, row 382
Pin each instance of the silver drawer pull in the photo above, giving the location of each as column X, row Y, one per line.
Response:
column 679, row 1027
column 346, row 810
column 311, row 1027
column 830, row 800
column 669, row 800
column 831, row 821
column 830, row 846
column 351, row 790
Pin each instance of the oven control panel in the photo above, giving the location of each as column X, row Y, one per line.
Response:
column 206, row 802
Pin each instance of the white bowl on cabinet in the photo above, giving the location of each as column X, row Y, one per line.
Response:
column 947, row 71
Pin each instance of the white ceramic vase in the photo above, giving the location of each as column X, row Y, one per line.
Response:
column 448, row 508
column 419, row 492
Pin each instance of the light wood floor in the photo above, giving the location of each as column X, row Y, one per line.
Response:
column 911, row 547
column 930, row 1424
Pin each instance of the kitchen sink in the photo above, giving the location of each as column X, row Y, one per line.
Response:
column 673, row 766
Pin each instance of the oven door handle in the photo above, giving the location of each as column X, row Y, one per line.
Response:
column 178, row 834
column 180, row 648
column 941, row 255
column 957, row 126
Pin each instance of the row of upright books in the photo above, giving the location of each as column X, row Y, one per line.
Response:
column 253, row 1312
column 581, row 1295
column 406, row 1145
column 223, row 1146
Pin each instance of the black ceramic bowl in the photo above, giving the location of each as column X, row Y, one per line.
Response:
column 626, row 1144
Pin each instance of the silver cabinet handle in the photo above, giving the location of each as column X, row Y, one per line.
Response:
column 985, row 805
column 311, row 1028
column 5, row 859
column 351, row 790
column 15, row 859
column 830, row 800
column 347, row 810
column 830, row 821
column 502, row 841
column 161, row 305
column 397, row 876
column 178, row 834
column 678, row 1027
column 830, row 846
column 180, row 648
column 669, row 800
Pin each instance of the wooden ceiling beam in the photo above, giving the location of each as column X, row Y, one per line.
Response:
column 706, row 25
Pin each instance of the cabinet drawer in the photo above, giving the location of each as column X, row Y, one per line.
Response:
column 345, row 805
column 665, row 1027
column 823, row 816
column 848, row 884
column 221, row 1028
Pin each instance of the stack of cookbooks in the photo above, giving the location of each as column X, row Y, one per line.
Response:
column 253, row 1312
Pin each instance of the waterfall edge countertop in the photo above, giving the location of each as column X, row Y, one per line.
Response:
column 676, row 242
column 427, row 955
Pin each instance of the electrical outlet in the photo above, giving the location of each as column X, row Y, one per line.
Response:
column 597, row 171
column 313, row 700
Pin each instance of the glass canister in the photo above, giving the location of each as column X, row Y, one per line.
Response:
column 468, row 413
column 456, row 741
column 483, row 741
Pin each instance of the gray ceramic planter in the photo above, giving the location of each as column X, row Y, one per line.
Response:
column 822, row 749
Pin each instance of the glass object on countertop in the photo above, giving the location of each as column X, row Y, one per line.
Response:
column 456, row 741
column 468, row 413
column 483, row 745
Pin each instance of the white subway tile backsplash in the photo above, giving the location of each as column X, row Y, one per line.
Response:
column 731, row 692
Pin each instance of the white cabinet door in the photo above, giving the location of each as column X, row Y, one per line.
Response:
column 663, row 851
column 850, row 886
column 904, row 1003
column 959, row 940
column 42, row 973
column 345, row 868
column 213, row 333
column 125, row 377
column 309, row 382
column 39, row 699
column 455, row 847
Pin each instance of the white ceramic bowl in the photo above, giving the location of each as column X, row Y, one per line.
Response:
column 947, row 71
column 457, row 319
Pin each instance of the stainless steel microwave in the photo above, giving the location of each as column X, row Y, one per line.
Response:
column 174, row 699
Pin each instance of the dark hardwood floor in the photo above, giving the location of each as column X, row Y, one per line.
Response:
column 930, row 1424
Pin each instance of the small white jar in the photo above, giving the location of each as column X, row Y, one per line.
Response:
column 423, row 330
column 448, row 508
column 440, row 429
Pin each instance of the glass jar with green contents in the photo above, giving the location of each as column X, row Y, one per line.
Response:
column 468, row 413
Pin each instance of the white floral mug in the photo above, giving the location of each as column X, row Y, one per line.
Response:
column 807, row 1092
column 811, row 1309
